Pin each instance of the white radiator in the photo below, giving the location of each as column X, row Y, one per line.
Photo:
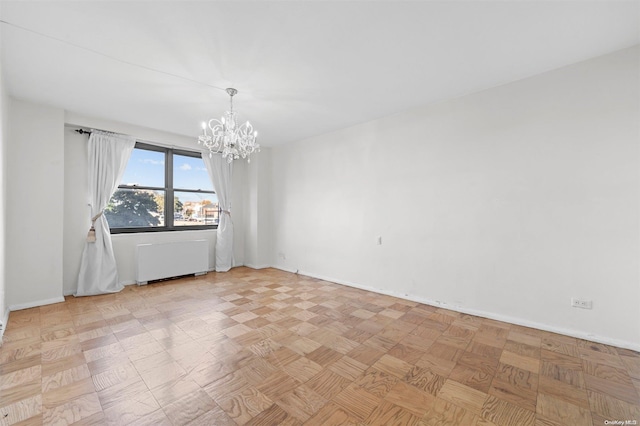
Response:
column 166, row 260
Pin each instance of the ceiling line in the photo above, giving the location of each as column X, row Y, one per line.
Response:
column 111, row 57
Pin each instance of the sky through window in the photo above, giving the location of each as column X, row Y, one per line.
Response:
column 146, row 168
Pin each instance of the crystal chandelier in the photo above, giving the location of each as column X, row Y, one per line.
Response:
column 227, row 137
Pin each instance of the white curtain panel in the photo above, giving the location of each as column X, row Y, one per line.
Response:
column 220, row 173
column 108, row 157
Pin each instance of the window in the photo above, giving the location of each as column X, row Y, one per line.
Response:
column 163, row 189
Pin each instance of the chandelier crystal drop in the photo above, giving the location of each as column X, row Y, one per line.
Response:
column 225, row 136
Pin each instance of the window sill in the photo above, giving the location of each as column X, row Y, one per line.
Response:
column 115, row 233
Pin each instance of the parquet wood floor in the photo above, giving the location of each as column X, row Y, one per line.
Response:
column 272, row 348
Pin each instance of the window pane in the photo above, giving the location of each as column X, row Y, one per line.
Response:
column 145, row 168
column 135, row 208
column 190, row 173
column 193, row 208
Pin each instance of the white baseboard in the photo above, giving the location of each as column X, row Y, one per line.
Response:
column 3, row 323
column 293, row 271
column 480, row 313
column 252, row 266
column 36, row 303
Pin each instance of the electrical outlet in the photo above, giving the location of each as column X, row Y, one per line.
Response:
column 581, row 303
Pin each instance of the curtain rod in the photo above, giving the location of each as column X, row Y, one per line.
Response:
column 85, row 131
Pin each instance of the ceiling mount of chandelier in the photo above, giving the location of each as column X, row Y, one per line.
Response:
column 225, row 136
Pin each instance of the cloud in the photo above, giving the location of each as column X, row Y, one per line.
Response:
column 201, row 169
column 151, row 161
column 185, row 166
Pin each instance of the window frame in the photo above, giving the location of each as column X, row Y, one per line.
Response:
column 169, row 191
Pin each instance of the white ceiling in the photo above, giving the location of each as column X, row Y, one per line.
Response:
column 301, row 68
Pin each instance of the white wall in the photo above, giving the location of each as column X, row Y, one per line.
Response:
column 77, row 216
column 34, row 204
column 238, row 211
column 505, row 203
column 257, row 225
column 4, row 122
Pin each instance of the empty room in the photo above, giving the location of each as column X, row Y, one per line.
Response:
column 320, row 213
